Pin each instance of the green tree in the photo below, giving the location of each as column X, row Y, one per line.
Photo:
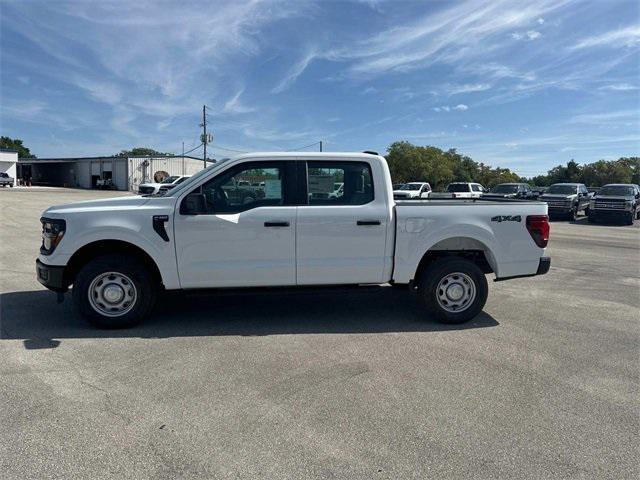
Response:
column 16, row 144
column 142, row 152
column 596, row 174
column 409, row 162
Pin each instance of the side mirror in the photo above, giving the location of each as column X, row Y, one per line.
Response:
column 194, row 204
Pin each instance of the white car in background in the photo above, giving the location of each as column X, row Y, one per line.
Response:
column 461, row 190
column 168, row 183
column 412, row 190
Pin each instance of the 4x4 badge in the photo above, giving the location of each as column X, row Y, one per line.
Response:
column 506, row 218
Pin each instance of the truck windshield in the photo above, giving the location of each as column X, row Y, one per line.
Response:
column 564, row 189
column 170, row 179
column 411, row 186
column 616, row 190
column 457, row 187
column 505, row 189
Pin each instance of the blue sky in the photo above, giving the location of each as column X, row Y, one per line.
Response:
column 525, row 85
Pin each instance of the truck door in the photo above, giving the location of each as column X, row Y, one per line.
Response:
column 341, row 238
column 239, row 238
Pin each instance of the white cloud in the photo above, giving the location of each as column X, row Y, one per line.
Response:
column 294, row 72
column 620, row 87
column 233, row 105
column 528, row 35
column 467, row 88
column 462, row 31
column 621, row 117
column 446, row 108
column 533, row 34
column 624, row 37
column 540, row 21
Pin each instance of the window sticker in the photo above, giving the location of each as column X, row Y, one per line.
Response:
column 321, row 183
column 273, row 188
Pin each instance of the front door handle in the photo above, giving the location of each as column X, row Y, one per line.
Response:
column 276, row 224
column 368, row 222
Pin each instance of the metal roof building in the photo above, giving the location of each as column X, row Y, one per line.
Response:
column 120, row 173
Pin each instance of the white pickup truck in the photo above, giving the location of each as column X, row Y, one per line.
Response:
column 120, row 253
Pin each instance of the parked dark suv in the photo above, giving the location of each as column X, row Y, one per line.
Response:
column 566, row 200
column 616, row 201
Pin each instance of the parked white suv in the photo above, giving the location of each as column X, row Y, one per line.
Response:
column 153, row 188
column 412, row 190
column 461, row 190
column 121, row 253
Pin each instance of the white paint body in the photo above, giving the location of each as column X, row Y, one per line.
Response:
column 322, row 245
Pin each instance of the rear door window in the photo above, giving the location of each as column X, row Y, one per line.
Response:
column 339, row 183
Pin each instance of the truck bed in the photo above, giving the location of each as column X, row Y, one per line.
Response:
column 496, row 227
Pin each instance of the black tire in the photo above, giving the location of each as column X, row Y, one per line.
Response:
column 437, row 271
column 141, row 278
column 573, row 214
column 586, row 211
column 631, row 218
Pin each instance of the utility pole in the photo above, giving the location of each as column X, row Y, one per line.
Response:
column 320, row 145
column 204, row 136
column 182, row 158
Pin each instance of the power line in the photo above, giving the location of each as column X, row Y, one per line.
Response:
column 195, row 148
column 229, row 149
column 306, row 146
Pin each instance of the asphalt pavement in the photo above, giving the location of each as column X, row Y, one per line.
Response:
column 341, row 384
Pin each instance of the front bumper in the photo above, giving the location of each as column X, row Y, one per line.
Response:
column 51, row 276
column 543, row 267
column 554, row 211
column 609, row 214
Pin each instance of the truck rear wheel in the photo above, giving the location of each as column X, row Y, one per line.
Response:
column 453, row 290
column 114, row 291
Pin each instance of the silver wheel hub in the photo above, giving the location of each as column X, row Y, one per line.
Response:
column 456, row 292
column 112, row 294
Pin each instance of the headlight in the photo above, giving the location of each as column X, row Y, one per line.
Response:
column 628, row 204
column 52, row 232
column 592, row 204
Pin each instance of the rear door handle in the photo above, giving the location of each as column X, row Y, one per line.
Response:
column 368, row 222
column 276, row 224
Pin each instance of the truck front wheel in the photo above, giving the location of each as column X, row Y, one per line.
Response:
column 453, row 290
column 114, row 291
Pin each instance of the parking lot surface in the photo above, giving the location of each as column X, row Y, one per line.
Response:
column 348, row 384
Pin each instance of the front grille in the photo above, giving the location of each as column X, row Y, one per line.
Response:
column 145, row 190
column 610, row 204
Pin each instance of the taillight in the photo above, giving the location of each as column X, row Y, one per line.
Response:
column 538, row 226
